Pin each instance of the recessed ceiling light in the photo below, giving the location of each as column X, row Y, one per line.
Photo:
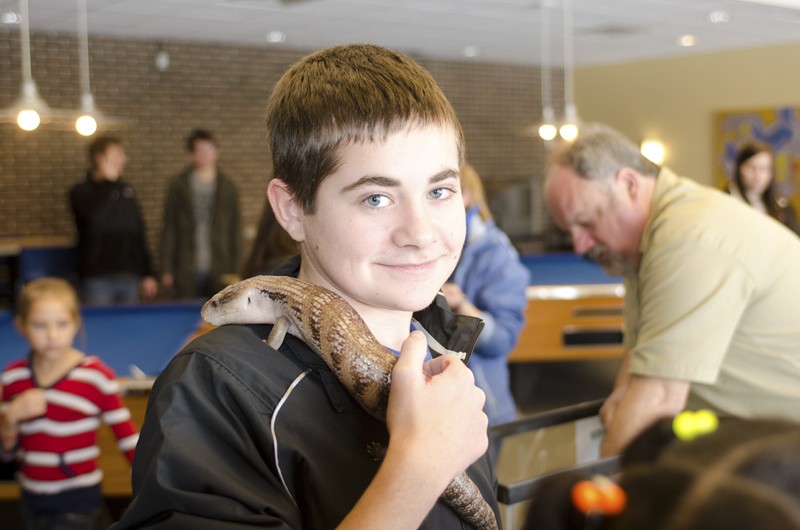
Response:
column 720, row 16
column 686, row 41
column 470, row 51
column 276, row 36
column 10, row 17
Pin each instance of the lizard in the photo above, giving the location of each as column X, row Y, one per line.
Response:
column 337, row 333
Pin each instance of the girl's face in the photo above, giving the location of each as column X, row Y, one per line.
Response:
column 49, row 327
column 756, row 173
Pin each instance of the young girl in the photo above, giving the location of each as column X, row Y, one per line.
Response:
column 753, row 182
column 52, row 405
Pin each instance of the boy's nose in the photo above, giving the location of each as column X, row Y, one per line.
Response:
column 415, row 228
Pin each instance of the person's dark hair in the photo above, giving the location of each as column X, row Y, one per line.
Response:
column 347, row 94
column 744, row 475
column 745, row 153
column 271, row 246
column 599, row 152
column 198, row 134
column 99, row 145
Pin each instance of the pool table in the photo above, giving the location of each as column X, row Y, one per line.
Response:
column 574, row 310
column 144, row 335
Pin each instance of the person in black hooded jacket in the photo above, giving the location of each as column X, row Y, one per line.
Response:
column 114, row 262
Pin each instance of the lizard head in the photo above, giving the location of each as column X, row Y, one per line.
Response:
column 233, row 305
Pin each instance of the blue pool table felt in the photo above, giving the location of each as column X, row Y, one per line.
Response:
column 146, row 335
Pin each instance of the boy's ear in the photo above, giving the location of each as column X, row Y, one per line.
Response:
column 287, row 211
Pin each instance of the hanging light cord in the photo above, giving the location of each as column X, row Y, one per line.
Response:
column 545, row 55
column 25, row 42
column 83, row 47
column 568, row 54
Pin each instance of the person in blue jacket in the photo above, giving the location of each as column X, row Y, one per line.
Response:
column 489, row 282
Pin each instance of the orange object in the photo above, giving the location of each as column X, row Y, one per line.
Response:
column 599, row 495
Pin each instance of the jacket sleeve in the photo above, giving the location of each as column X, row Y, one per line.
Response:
column 497, row 287
column 236, row 229
column 147, row 259
column 204, row 459
column 169, row 230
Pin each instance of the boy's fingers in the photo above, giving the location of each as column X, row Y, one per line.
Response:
column 413, row 350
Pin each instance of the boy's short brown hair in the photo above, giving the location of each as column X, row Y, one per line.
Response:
column 347, row 94
column 99, row 146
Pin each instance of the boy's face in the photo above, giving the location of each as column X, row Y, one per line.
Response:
column 204, row 153
column 111, row 163
column 389, row 223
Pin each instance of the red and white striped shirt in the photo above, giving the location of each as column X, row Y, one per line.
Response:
column 58, row 451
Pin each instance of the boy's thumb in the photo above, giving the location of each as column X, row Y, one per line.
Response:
column 414, row 350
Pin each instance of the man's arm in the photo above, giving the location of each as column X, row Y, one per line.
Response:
column 636, row 402
column 437, row 429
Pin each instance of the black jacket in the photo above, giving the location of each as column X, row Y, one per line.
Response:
column 239, row 435
column 111, row 231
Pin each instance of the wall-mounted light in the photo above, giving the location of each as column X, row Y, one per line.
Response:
column 161, row 60
column 653, row 150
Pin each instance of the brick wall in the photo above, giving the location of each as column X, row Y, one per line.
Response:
column 223, row 89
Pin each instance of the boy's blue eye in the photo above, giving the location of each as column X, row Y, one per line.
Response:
column 376, row 201
column 441, row 193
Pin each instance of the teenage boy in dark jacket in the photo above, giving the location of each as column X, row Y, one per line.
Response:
column 366, row 155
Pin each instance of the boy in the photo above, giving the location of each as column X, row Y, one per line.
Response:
column 366, row 151
column 200, row 239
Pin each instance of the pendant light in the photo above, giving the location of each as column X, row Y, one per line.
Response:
column 569, row 127
column 86, row 124
column 90, row 118
column 29, row 110
column 547, row 130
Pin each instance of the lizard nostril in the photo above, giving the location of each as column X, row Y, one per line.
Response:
column 248, row 300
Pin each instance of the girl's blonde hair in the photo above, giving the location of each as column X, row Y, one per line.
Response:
column 471, row 183
column 42, row 287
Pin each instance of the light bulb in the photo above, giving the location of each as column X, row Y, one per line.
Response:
column 547, row 131
column 653, row 150
column 28, row 120
column 568, row 131
column 86, row 125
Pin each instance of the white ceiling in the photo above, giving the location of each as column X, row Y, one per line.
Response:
column 507, row 31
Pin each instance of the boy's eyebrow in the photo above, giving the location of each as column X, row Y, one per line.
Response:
column 389, row 182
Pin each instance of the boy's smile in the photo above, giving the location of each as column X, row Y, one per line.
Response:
column 389, row 223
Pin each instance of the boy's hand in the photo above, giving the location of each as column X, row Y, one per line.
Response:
column 435, row 412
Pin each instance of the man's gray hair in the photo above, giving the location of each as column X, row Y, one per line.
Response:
column 599, row 152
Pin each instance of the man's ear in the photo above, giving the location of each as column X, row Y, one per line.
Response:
column 628, row 179
column 287, row 211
